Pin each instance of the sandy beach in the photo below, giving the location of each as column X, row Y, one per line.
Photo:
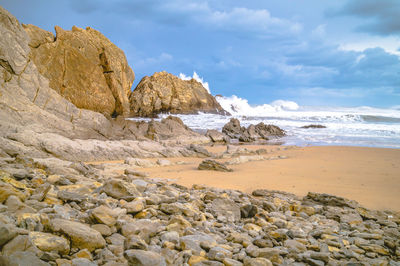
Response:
column 370, row 176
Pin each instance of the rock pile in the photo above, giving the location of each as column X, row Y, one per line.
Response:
column 233, row 131
column 81, row 215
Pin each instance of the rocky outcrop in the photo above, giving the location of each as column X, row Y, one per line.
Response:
column 84, row 67
column 166, row 93
column 37, row 121
column 252, row 133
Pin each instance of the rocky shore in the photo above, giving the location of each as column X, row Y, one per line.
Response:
column 56, row 208
column 55, row 212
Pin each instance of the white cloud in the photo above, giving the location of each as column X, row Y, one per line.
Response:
column 389, row 44
column 239, row 19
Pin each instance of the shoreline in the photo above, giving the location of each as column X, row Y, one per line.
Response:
column 367, row 175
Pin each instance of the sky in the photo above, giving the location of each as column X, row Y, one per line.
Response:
column 313, row 52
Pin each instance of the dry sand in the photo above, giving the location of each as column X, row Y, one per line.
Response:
column 370, row 176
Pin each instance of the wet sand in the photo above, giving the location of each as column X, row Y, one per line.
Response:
column 370, row 176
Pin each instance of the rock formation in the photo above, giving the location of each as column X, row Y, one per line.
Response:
column 252, row 133
column 84, row 67
column 37, row 121
column 166, row 93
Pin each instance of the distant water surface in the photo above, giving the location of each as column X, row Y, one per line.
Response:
column 357, row 126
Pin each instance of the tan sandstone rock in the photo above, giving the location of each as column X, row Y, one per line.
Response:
column 81, row 235
column 164, row 92
column 84, row 67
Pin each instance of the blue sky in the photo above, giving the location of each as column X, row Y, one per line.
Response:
column 337, row 53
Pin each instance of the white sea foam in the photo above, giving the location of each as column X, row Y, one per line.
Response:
column 240, row 107
column 197, row 78
column 357, row 126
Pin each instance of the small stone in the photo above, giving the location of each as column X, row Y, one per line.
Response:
column 20, row 243
column 294, row 246
column 256, row 262
column 63, row 262
column 213, row 165
column 48, row 242
column 231, row 262
column 68, row 196
column 218, row 254
column 7, row 190
column 84, row 254
column 135, row 173
column 82, row 262
column 104, row 214
column 7, row 233
column 134, row 242
column 248, row 211
column 163, row 162
column 144, row 258
column 195, row 259
column 103, row 229
column 120, row 190
column 134, row 206
column 225, row 208
column 22, row 258
column 40, row 193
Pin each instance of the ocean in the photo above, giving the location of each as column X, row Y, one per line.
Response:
column 356, row 126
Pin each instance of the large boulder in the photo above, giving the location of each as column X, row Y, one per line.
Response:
column 84, row 67
column 166, row 93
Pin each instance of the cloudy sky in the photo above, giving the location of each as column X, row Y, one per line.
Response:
column 339, row 53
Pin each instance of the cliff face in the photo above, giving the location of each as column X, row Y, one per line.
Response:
column 36, row 121
column 84, row 67
column 164, row 92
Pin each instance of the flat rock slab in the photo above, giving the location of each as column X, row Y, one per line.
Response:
column 81, row 235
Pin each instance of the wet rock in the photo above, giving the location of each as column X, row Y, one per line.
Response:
column 214, row 166
column 80, row 235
